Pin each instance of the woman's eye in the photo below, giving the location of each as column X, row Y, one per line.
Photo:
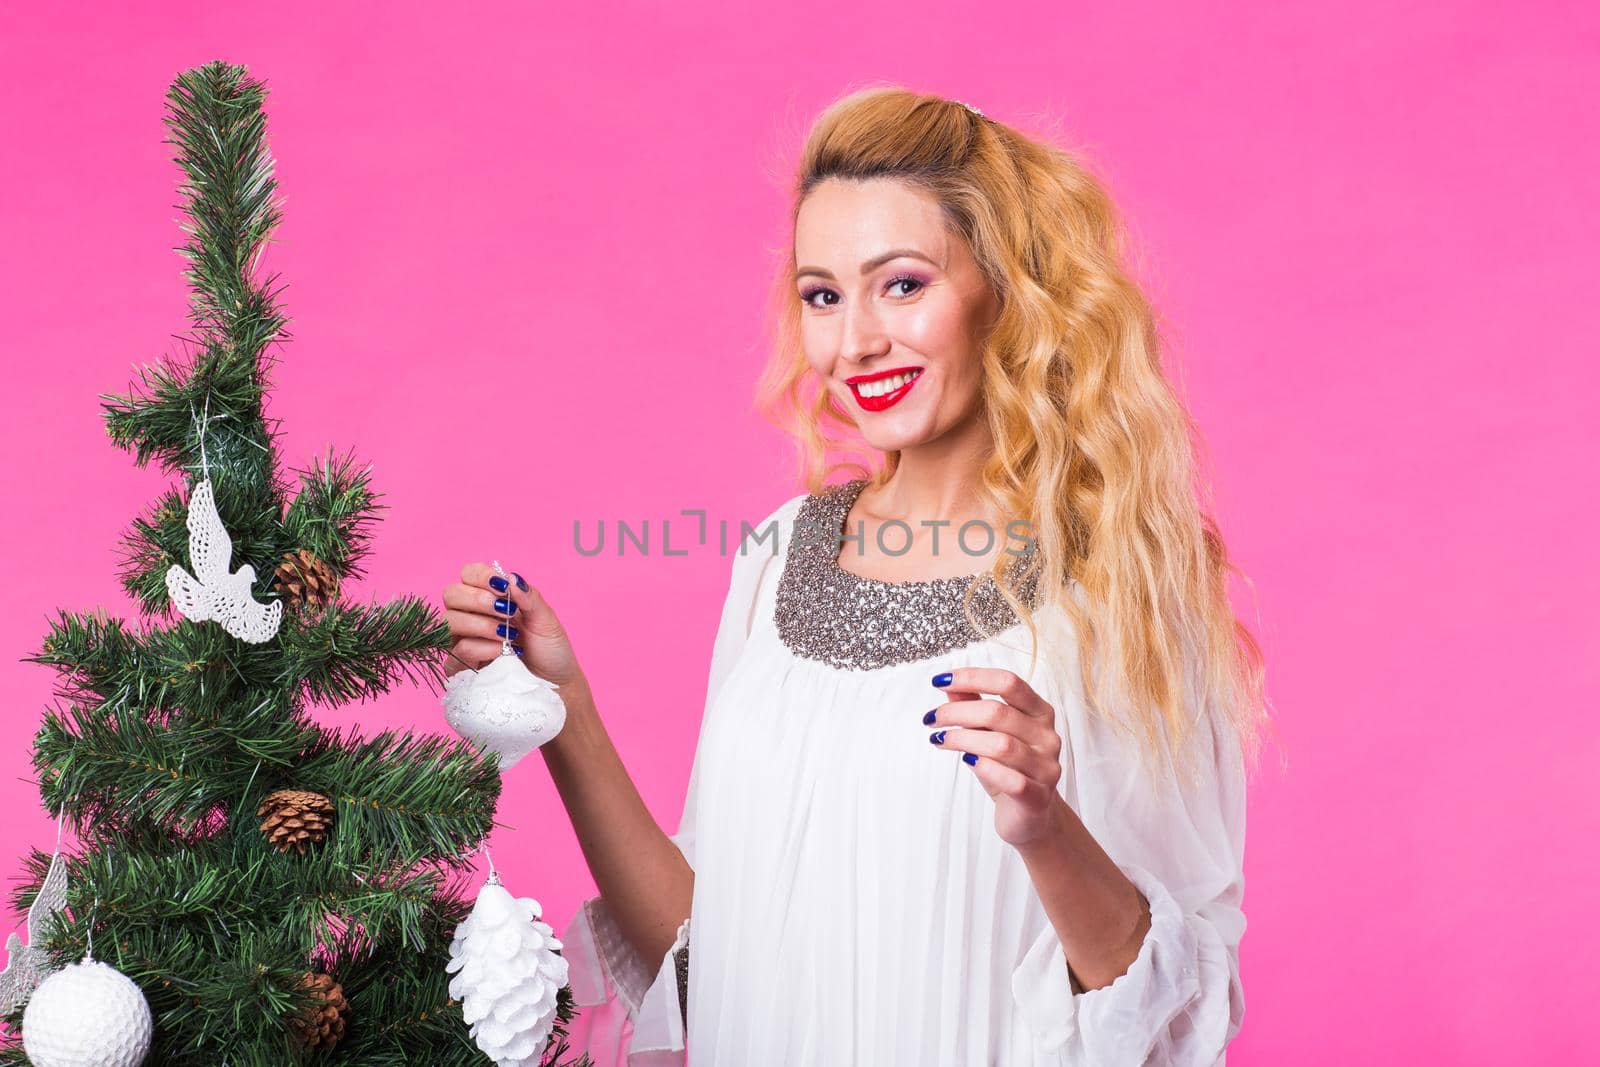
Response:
column 809, row 296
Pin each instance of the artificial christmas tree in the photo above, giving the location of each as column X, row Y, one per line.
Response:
column 279, row 892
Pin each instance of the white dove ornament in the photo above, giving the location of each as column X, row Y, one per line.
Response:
column 504, row 707
column 28, row 965
column 212, row 593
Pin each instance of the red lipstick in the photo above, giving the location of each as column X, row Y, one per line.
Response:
column 883, row 401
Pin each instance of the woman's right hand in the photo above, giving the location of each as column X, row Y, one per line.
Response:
column 477, row 605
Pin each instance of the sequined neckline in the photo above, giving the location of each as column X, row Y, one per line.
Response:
column 826, row 613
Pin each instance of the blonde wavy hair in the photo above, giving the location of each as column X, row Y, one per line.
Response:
column 1091, row 444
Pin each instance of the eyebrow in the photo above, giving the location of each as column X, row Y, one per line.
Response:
column 872, row 264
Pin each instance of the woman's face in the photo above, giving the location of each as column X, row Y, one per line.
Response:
column 894, row 309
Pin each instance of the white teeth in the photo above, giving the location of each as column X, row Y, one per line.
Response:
column 886, row 385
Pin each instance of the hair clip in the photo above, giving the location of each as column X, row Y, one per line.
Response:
column 970, row 108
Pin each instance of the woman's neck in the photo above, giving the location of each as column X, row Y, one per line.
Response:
column 933, row 493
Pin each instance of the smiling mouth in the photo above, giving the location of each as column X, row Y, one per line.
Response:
column 880, row 391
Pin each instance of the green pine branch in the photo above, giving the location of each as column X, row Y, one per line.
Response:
column 174, row 772
column 400, row 796
column 153, row 543
column 334, row 512
column 354, row 652
column 216, row 121
column 159, row 416
column 244, row 880
column 197, row 666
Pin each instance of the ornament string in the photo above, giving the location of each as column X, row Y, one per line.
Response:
column 505, row 640
column 94, row 911
column 483, row 846
column 205, row 419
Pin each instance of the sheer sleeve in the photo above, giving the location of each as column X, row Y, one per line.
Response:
column 1181, row 841
column 633, row 1011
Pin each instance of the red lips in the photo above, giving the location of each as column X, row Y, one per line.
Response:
column 885, row 400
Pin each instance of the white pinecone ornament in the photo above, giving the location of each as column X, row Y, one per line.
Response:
column 87, row 1014
column 507, row 974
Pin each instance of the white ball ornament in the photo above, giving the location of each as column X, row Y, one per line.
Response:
column 87, row 1014
column 507, row 975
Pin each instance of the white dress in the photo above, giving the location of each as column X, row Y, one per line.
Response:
column 853, row 902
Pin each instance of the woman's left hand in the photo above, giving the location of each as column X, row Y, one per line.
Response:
column 1010, row 742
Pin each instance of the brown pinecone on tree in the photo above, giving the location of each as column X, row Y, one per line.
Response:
column 305, row 581
column 322, row 1024
column 295, row 818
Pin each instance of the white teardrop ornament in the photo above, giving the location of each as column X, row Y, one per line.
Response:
column 504, row 708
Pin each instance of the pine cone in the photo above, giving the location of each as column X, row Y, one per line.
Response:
column 322, row 1025
column 305, row 581
column 295, row 818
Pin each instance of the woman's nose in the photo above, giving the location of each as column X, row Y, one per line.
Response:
column 863, row 337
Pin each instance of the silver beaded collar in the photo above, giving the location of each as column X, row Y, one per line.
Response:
column 825, row 613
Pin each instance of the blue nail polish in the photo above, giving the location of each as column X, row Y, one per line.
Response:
column 517, row 649
column 927, row 720
column 505, row 607
column 522, row 585
column 502, row 629
column 499, row 584
column 969, row 757
column 944, row 679
column 937, row 737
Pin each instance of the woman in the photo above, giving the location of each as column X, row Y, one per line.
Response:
column 1062, row 883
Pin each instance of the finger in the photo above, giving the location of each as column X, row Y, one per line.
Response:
column 471, row 624
column 998, row 780
column 470, row 653
column 1002, row 683
column 463, row 597
column 534, row 613
column 1005, row 749
column 997, row 715
column 478, row 574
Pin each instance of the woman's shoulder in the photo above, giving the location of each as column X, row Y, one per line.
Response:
column 755, row 547
column 752, row 543
column 789, row 508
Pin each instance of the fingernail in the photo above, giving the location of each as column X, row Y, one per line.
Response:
column 522, row 585
column 969, row 757
column 937, row 737
column 943, row 679
column 517, row 649
column 927, row 720
column 505, row 607
column 507, row 631
column 499, row 584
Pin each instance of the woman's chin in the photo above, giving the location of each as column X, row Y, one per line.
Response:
column 893, row 442
column 895, row 430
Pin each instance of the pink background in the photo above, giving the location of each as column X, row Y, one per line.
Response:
column 525, row 248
